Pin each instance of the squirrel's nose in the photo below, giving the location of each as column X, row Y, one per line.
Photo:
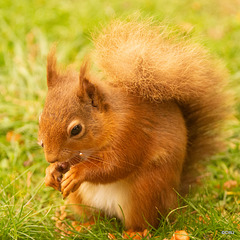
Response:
column 51, row 158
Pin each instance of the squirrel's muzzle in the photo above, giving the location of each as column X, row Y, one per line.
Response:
column 51, row 158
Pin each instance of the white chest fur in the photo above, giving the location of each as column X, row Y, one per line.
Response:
column 110, row 198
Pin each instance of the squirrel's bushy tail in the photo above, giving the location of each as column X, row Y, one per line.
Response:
column 148, row 62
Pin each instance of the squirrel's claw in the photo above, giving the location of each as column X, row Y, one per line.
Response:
column 71, row 187
column 71, row 181
column 50, row 183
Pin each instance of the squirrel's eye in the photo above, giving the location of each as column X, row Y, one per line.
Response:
column 76, row 130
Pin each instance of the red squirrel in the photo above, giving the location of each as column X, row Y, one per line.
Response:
column 124, row 141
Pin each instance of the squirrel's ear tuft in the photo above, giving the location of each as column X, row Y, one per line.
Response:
column 89, row 90
column 83, row 75
column 51, row 68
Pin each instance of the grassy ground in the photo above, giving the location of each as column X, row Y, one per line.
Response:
column 28, row 29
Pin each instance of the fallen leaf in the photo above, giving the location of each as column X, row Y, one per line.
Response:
column 111, row 236
column 230, row 184
column 203, row 220
column 180, row 235
column 130, row 234
column 12, row 136
column 146, row 233
column 138, row 237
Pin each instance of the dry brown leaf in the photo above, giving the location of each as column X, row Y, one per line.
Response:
column 180, row 235
column 12, row 136
column 137, row 237
column 125, row 235
column 230, row 184
column 130, row 234
column 201, row 219
column 146, row 233
column 111, row 236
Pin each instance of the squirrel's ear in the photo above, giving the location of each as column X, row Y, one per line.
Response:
column 51, row 68
column 87, row 89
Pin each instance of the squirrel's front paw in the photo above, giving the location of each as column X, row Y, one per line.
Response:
column 54, row 173
column 71, row 180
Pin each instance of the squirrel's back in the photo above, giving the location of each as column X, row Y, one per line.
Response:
column 148, row 62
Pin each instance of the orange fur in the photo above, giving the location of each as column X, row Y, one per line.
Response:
column 157, row 111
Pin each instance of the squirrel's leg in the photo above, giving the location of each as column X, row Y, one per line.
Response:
column 83, row 214
column 152, row 196
column 74, row 200
column 80, row 219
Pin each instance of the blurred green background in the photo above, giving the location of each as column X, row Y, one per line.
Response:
column 28, row 29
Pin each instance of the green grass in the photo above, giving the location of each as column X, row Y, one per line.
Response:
column 28, row 29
